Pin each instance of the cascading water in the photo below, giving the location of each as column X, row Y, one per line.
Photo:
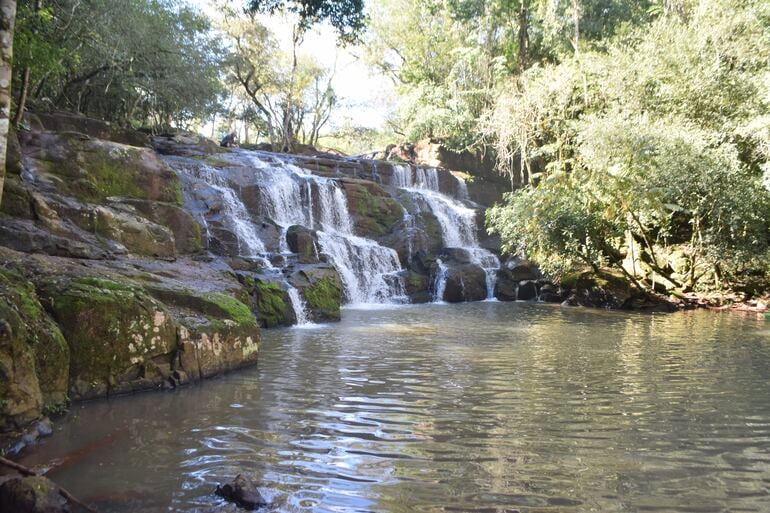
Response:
column 249, row 243
column 457, row 221
column 298, row 305
column 290, row 195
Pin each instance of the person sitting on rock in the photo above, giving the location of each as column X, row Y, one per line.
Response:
column 229, row 140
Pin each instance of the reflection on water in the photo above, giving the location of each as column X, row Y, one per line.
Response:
column 488, row 407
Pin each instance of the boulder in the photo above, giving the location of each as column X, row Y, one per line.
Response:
column 243, row 492
column 34, row 357
column 93, row 169
column 465, row 282
column 375, row 213
column 186, row 231
column 304, row 242
column 137, row 234
column 417, row 287
column 114, row 330
column 32, row 494
column 321, row 287
column 96, row 128
column 270, row 301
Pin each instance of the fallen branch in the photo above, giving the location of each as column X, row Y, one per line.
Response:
column 25, row 471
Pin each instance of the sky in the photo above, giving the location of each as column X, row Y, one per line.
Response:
column 365, row 97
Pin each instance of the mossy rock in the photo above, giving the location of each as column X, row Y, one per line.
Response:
column 42, row 335
column 374, row 212
column 272, row 305
column 324, row 298
column 112, row 328
column 93, row 169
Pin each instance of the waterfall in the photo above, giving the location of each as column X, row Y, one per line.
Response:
column 290, row 195
column 249, row 243
column 439, row 286
column 457, row 221
column 298, row 305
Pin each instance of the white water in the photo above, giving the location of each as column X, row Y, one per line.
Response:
column 457, row 221
column 298, row 305
column 249, row 243
column 290, row 195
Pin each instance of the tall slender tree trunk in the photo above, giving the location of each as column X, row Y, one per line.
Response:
column 7, row 21
column 523, row 36
column 21, row 105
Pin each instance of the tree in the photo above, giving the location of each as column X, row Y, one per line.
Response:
column 134, row 62
column 291, row 93
column 346, row 16
column 646, row 153
column 7, row 21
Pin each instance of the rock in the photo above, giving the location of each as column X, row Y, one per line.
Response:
column 112, row 328
column 28, row 237
column 96, row 128
column 34, row 358
column 304, row 242
column 186, row 145
column 465, row 282
column 417, row 287
column 270, row 301
column 375, row 213
column 527, row 290
column 186, row 231
column 243, row 492
column 138, row 234
column 91, row 170
column 321, row 287
column 33, row 494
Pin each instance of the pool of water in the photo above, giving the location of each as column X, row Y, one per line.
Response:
column 488, row 407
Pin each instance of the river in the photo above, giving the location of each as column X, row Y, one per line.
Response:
column 487, row 407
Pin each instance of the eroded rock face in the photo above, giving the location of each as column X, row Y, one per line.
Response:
column 113, row 329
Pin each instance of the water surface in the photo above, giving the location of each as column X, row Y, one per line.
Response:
column 489, row 407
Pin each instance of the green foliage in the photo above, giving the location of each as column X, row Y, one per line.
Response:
column 648, row 154
column 141, row 62
column 346, row 16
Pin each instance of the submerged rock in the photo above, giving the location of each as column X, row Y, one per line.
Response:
column 243, row 492
column 34, row 494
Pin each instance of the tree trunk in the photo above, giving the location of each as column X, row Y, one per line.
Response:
column 523, row 36
column 7, row 21
column 21, row 105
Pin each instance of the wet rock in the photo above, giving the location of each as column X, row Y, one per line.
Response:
column 243, row 492
column 374, row 212
column 304, row 242
column 321, row 287
column 417, row 287
column 527, row 291
column 465, row 282
column 34, row 494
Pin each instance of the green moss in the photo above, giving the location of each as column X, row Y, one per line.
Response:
column 232, row 309
column 40, row 336
column 324, row 296
column 272, row 308
column 216, row 161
